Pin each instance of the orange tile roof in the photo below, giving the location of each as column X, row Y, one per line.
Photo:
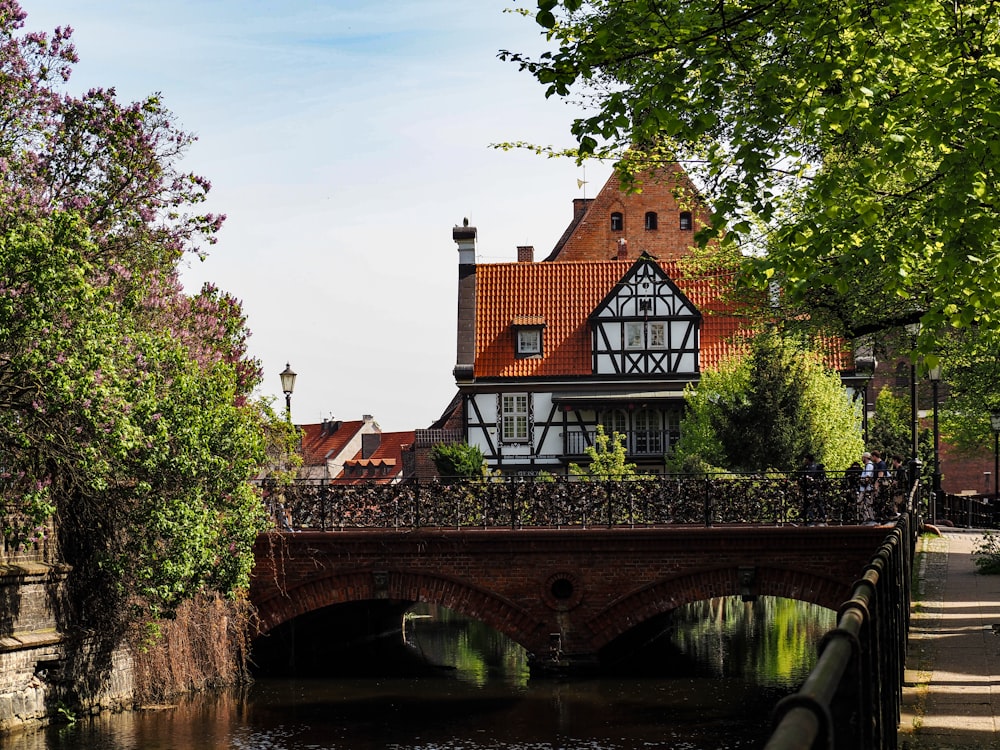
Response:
column 563, row 294
column 316, row 446
column 389, row 455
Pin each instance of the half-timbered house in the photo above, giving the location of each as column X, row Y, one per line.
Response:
column 607, row 330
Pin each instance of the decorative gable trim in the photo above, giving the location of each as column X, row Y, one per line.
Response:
column 645, row 326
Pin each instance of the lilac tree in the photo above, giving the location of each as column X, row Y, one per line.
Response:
column 126, row 406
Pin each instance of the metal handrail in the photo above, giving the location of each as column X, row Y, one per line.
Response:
column 855, row 689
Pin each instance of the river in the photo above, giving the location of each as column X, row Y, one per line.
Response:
column 707, row 680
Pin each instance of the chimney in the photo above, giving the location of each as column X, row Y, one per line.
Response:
column 370, row 442
column 465, row 237
column 622, row 249
column 525, row 253
column 580, row 207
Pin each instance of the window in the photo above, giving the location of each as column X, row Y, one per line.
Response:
column 686, row 221
column 657, row 335
column 617, row 222
column 514, row 417
column 646, row 335
column 648, row 435
column 614, row 421
column 651, row 220
column 529, row 342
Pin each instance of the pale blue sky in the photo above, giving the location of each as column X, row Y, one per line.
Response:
column 344, row 140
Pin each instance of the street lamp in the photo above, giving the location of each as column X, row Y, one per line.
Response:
column 935, row 375
column 995, row 424
column 287, row 386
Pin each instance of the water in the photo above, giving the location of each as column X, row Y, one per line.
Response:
column 706, row 680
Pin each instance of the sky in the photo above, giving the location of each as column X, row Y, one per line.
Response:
column 344, row 141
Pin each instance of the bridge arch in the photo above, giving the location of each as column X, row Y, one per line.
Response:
column 659, row 597
column 576, row 588
column 408, row 586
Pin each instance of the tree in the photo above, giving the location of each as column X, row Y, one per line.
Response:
column 457, row 460
column 125, row 404
column 891, row 428
column 766, row 410
column 607, row 459
column 848, row 149
column 972, row 373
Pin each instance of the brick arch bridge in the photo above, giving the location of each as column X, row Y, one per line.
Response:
column 567, row 590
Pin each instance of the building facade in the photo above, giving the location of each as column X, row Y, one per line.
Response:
column 602, row 332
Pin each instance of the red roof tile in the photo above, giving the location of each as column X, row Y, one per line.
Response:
column 388, row 456
column 317, row 445
column 563, row 294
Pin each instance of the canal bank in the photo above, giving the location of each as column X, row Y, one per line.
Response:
column 951, row 696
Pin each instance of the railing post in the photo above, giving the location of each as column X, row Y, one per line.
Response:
column 708, row 501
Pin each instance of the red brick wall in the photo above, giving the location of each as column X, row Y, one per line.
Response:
column 618, row 577
column 593, row 238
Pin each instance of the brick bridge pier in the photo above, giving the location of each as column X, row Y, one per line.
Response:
column 562, row 594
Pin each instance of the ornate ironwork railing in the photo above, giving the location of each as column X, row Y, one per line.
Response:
column 650, row 501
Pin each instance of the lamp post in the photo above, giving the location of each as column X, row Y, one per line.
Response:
column 935, row 375
column 995, row 424
column 287, row 386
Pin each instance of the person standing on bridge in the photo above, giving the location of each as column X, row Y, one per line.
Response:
column 813, row 505
column 866, row 510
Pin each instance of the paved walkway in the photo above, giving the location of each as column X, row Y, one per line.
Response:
column 952, row 696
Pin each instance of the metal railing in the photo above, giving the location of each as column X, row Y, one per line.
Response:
column 636, row 442
column 852, row 697
column 969, row 511
column 649, row 501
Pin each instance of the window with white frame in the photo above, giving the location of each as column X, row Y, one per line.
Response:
column 514, row 417
column 529, row 342
column 646, row 335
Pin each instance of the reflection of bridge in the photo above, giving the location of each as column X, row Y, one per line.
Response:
column 563, row 594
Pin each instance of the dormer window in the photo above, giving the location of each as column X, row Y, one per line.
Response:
column 617, row 221
column 529, row 342
column 528, row 335
column 686, row 221
column 651, row 220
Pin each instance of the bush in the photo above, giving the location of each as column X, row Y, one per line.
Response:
column 986, row 554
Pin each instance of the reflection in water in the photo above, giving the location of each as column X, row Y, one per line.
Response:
column 720, row 667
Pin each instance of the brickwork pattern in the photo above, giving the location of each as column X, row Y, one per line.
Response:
column 588, row 585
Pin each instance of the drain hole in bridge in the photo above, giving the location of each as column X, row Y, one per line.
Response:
column 562, row 589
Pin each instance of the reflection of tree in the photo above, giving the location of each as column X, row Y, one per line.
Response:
column 475, row 650
column 772, row 640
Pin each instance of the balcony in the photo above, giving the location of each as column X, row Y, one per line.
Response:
column 637, row 442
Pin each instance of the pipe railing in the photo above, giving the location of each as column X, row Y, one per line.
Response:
column 852, row 697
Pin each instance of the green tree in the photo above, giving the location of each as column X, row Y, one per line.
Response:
column 766, row 410
column 607, row 459
column 139, row 436
column 847, row 149
column 458, row 460
column 972, row 375
column 125, row 403
column 891, row 428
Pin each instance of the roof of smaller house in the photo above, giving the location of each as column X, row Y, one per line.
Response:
column 327, row 439
column 388, row 456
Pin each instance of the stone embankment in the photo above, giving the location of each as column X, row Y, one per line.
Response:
column 39, row 663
